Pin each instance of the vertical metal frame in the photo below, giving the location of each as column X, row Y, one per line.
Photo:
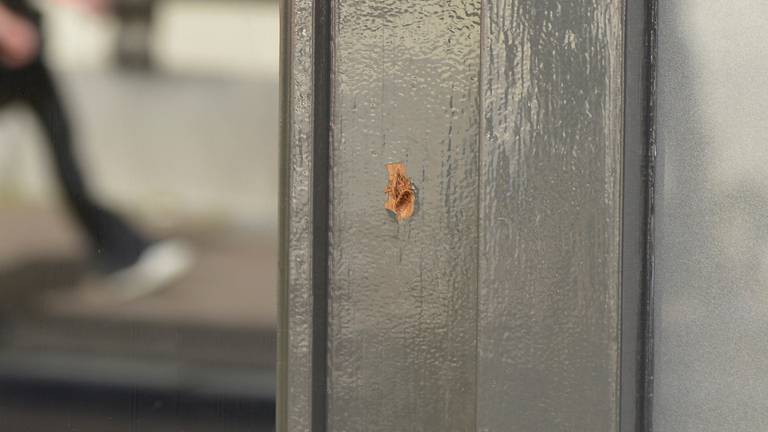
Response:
column 305, row 106
column 306, row 156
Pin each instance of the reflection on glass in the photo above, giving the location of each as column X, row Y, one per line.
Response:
column 138, row 196
column 711, row 302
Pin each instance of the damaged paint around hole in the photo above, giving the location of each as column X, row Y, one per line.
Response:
column 401, row 196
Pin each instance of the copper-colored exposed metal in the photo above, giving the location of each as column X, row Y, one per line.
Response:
column 401, row 197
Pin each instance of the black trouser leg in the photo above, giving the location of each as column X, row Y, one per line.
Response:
column 115, row 243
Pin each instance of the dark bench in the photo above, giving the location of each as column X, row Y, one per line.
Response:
column 135, row 34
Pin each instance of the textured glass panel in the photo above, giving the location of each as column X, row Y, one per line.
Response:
column 402, row 295
column 711, row 305
column 550, row 215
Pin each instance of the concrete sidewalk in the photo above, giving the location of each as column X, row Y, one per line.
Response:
column 44, row 271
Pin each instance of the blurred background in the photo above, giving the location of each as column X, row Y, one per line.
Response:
column 174, row 106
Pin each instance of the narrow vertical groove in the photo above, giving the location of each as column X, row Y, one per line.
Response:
column 637, row 210
column 645, row 423
column 320, row 210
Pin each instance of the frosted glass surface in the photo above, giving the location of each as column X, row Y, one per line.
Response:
column 711, row 286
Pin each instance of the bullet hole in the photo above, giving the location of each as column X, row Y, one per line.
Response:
column 401, row 197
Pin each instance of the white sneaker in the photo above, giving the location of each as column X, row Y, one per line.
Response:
column 160, row 265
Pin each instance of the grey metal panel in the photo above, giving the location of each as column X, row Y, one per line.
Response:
column 551, row 152
column 402, row 295
column 496, row 306
column 711, row 308
column 295, row 327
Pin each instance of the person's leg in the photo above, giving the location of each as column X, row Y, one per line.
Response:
column 115, row 243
